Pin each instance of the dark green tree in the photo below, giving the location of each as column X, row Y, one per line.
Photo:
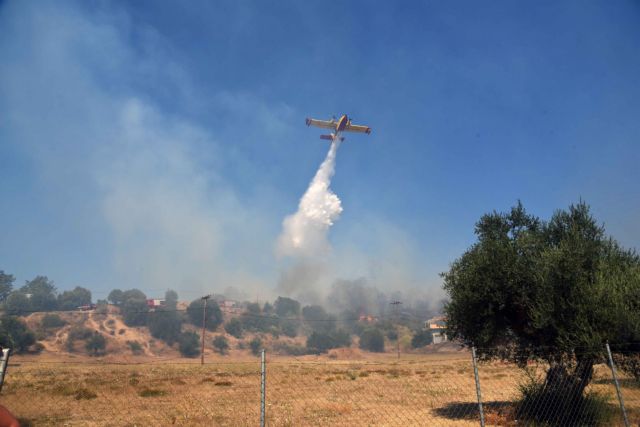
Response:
column 189, row 344
column 214, row 314
column 234, row 328
column 6, row 285
column 321, row 342
column 17, row 304
column 42, row 293
column 221, row 344
column 15, row 334
column 372, row 339
column 134, row 308
column 287, row 307
column 253, row 319
column 318, row 319
column 421, row 338
column 116, row 297
column 165, row 324
column 289, row 327
column 171, row 299
column 96, row 344
column 553, row 291
column 71, row 300
column 256, row 346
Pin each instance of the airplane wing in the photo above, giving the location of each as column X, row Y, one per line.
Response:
column 357, row 128
column 321, row 124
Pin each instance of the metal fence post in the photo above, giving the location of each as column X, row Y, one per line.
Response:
column 615, row 380
column 475, row 371
column 263, row 387
column 3, row 364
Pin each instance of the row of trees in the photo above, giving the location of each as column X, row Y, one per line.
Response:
column 39, row 294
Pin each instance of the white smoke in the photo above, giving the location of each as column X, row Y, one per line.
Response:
column 304, row 234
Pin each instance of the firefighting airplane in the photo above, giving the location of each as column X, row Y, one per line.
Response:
column 343, row 124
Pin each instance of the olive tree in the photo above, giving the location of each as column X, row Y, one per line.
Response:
column 554, row 290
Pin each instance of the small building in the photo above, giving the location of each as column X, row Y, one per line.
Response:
column 155, row 303
column 438, row 327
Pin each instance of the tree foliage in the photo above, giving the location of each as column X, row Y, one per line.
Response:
column 421, row 338
column 165, row 324
column 42, row 293
column 234, row 328
column 321, row 342
column 189, row 344
column 134, row 307
column 6, row 285
column 116, row 297
column 213, row 314
column 71, row 300
column 287, row 307
column 556, row 290
column 318, row 319
column 255, row 345
column 221, row 344
column 96, row 344
column 372, row 339
column 15, row 334
column 17, row 304
column 253, row 319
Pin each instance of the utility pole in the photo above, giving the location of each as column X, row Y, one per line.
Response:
column 396, row 305
column 204, row 324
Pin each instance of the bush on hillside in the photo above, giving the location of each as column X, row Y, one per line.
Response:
column 256, row 346
column 52, row 321
column 189, row 344
column 15, row 334
column 221, row 344
column 234, row 328
column 96, row 344
column 421, row 338
column 320, row 342
column 371, row 339
column 213, row 314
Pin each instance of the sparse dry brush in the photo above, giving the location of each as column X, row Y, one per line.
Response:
column 432, row 389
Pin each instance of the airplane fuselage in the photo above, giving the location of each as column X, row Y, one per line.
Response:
column 342, row 123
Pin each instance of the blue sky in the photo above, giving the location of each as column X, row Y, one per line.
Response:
column 161, row 144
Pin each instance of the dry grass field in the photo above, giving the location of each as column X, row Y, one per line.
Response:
column 433, row 389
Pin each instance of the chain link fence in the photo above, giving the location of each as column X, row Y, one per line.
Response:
column 433, row 389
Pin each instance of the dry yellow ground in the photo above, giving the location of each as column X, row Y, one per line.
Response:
column 435, row 389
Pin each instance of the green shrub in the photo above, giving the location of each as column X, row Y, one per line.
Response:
column 371, row 339
column 421, row 338
column 52, row 321
column 135, row 347
column 234, row 328
column 189, row 344
column 213, row 313
column 15, row 334
column 151, row 392
column 256, row 346
column 96, row 344
column 290, row 328
column 79, row 333
column 321, row 342
column 289, row 349
column 221, row 344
